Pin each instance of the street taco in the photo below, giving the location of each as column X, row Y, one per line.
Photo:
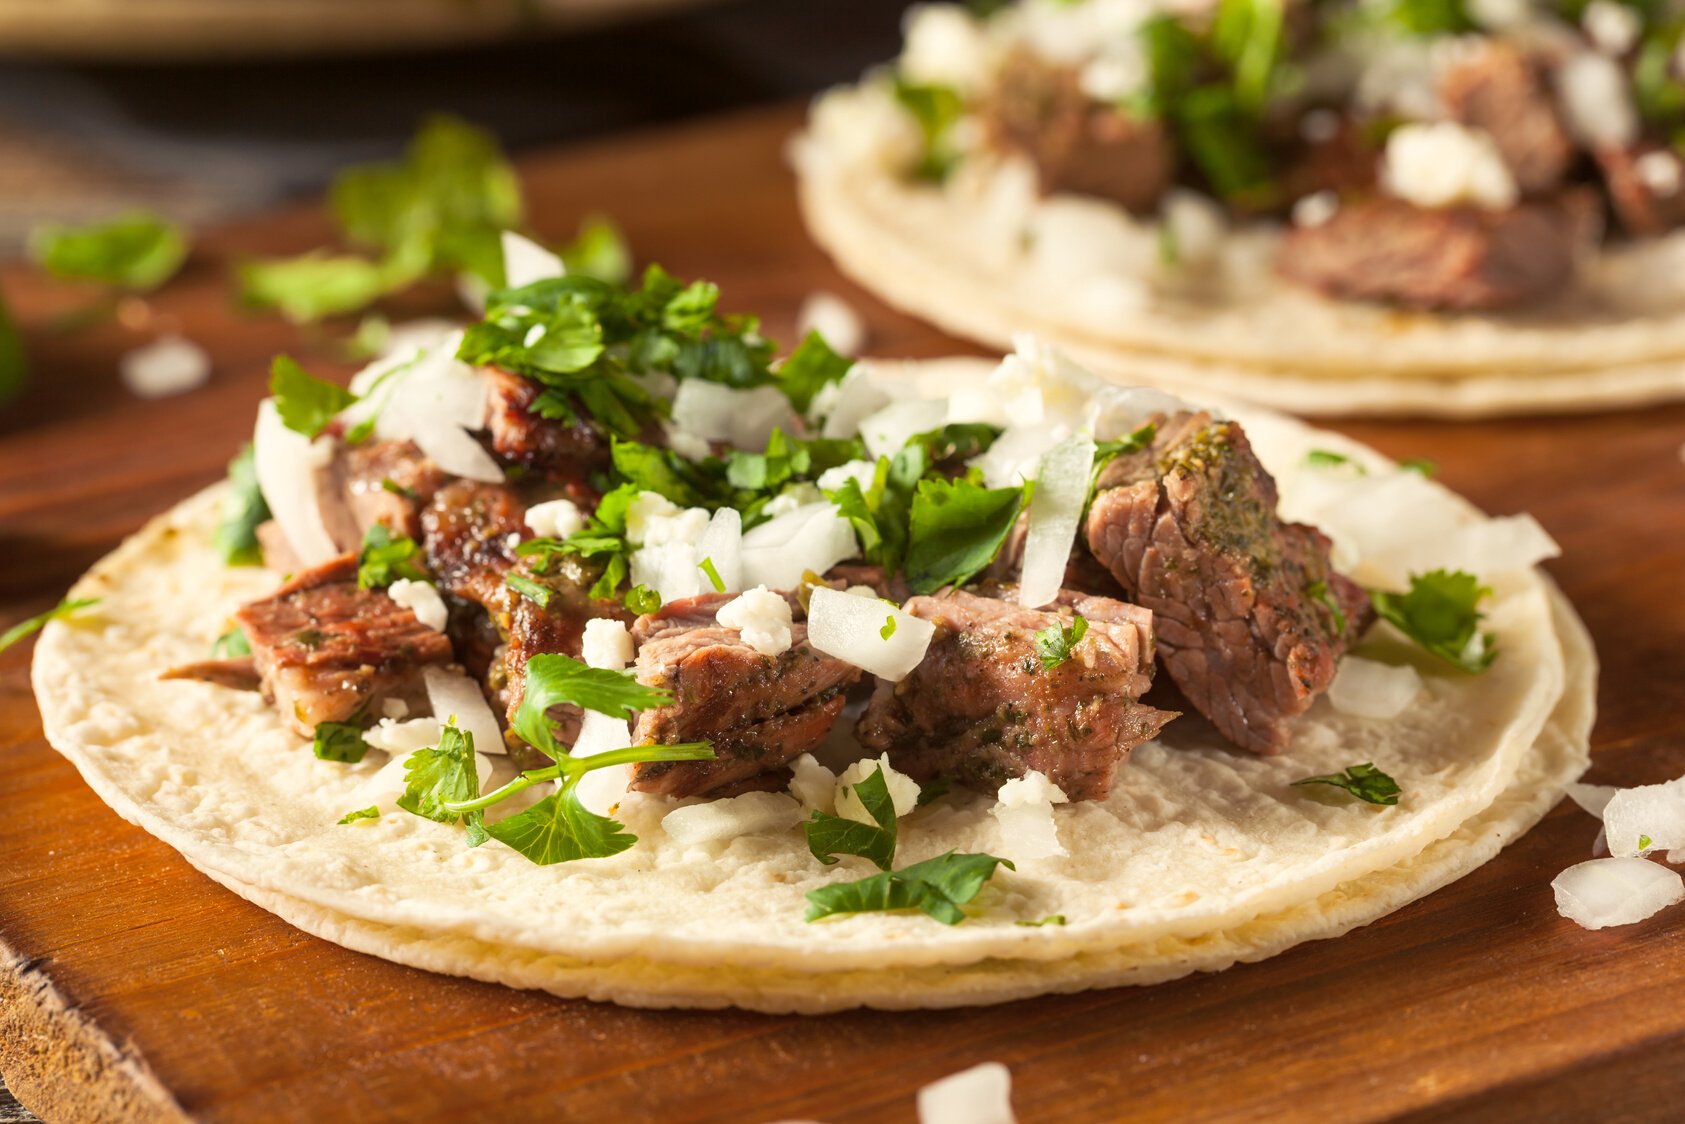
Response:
column 1353, row 207
column 599, row 652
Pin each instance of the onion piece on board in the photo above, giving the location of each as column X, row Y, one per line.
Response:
column 1655, row 812
column 1617, row 891
column 979, row 1095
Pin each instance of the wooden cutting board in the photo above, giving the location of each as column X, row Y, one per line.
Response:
column 132, row 988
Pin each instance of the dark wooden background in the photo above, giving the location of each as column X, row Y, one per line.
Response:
column 132, row 988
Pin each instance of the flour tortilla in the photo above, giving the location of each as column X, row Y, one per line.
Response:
column 1618, row 340
column 1202, row 856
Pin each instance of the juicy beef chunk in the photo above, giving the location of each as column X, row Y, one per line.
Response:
column 388, row 482
column 759, row 711
column 1499, row 90
column 328, row 651
column 1459, row 258
column 1341, row 158
column 1249, row 612
column 1077, row 144
column 1646, row 204
column 466, row 533
column 981, row 709
column 559, row 449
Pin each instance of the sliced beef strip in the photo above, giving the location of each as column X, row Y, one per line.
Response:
column 466, row 534
column 328, row 651
column 1644, row 208
column 239, row 673
column 981, row 709
column 1500, row 90
column 1078, row 145
column 1457, row 258
column 1243, row 604
column 562, row 451
column 388, row 482
column 759, row 711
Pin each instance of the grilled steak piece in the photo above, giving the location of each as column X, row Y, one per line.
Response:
column 388, row 482
column 1499, row 90
column 981, row 709
column 1459, row 258
column 239, row 673
column 1078, row 145
column 759, row 711
column 466, row 533
column 1343, row 161
column 330, row 652
column 1250, row 614
column 1645, row 204
column 562, row 451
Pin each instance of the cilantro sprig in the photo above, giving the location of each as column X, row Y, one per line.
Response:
column 386, row 557
column 339, row 741
column 137, row 251
column 1056, row 642
column 1441, row 612
column 957, row 528
column 938, row 887
column 306, row 403
column 447, row 774
column 1364, row 781
column 555, row 680
column 829, row 836
column 69, row 607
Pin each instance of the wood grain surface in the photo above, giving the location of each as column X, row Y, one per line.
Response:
column 132, row 988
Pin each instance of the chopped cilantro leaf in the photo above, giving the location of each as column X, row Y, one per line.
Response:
column 599, row 251
column 1052, row 919
column 372, row 812
column 339, row 741
column 1325, row 458
column 1056, row 642
column 138, row 251
column 641, row 599
column 809, row 369
column 956, row 529
column 1319, row 591
column 1644, row 842
column 888, row 628
column 1365, row 782
column 445, row 774
column 829, row 836
column 315, row 285
column 386, row 557
column 936, row 886
column 306, row 403
column 526, row 587
column 936, row 109
column 555, row 679
column 243, row 510
column 1440, row 612
column 231, row 645
column 714, row 579
column 1421, row 466
column 66, row 608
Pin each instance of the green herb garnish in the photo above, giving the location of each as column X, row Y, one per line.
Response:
column 1365, row 782
column 526, row 587
column 1052, row 919
column 641, row 599
column 936, row 886
column 1056, row 642
column 1421, row 466
column 138, row 251
column 386, row 557
column 231, row 645
column 555, row 680
column 446, row 774
column 957, row 528
column 829, row 836
column 714, row 579
column 1440, row 612
column 372, row 812
column 339, row 741
column 306, row 403
column 243, row 511
column 1319, row 591
column 66, row 608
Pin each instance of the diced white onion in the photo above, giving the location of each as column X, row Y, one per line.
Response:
column 813, row 537
column 1055, row 510
column 403, row 737
column 851, row 629
column 554, row 519
column 168, row 365
column 1592, row 798
column 1617, row 891
column 1444, row 164
column 979, row 1095
column 1024, row 813
column 744, row 418
column 944, row 45
column 1653, row 810
column 903, row 790
column 722, row 546
column 435, row 403
column 886, row 431
column 813, row 784
column 452, row 693
column 422, row 599
column 1596, row 101
column 845, row 404
column 835, row 320
column 753, row 813
column 287, row 464
column 1013, row 457
column 1371, row 689
column 525, row 261
column 761, row 617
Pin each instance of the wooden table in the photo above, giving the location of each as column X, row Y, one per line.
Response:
column 132, row 988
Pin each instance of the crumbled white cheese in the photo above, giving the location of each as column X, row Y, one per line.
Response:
column 422, row 599
column 945, row 45
column 1024, row 812
column 168, row 365
column 762, row 617
column 394, row 708
column 687, row 444
column 1596, row 102
column 512, row 540
column 835, row 319
column 554, row 519
column 903, row 790
column 1445, row 164
column 403, row 737
column 861, row 472
column 1659, row 172
column 1118, row 72
column 1612, row 27
column 792, row 498
column 1315, row 209
column 813, row 784
column 607, row 644
column 649, row 518
column 1196, row 225
column 844, row 404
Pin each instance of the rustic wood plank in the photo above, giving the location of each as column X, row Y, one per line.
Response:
column 1474, row 1003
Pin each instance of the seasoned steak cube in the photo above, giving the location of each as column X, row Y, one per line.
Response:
column 1646, row 186
column 981, row 709
column 388, row 482
column 328, row 651
column 759, row 711
column 1250, row 614
column 469, row 532
column 1460, row 258
column 561, row 450
column 1499, row 89
column 1077, row 144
